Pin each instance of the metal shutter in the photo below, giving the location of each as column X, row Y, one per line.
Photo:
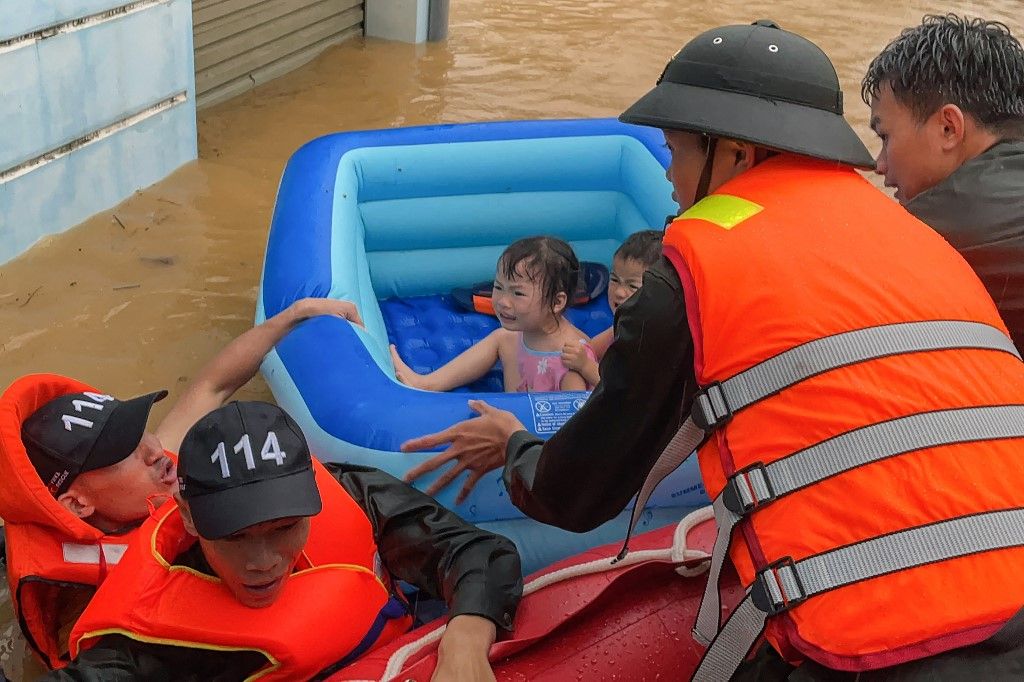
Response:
column 242, row 43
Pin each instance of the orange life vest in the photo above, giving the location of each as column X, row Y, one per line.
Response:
column 795, row 256
column 53, row 556
column 332, row 609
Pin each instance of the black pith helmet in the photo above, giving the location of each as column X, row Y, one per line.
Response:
column 758, row 84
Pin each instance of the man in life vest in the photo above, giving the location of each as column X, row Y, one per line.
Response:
column 947, row 102
column 79, row 472
column 270, row 567
column 853, row 392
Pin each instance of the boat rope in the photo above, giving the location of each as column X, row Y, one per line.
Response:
column 678, row 553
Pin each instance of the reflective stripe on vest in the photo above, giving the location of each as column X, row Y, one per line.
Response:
column 90, row 554
column 870, row 386
column 760, row 485
column 716, row 404
column 786, row 584
column 755, row 487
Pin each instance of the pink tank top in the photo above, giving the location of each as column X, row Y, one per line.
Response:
column 541, row 371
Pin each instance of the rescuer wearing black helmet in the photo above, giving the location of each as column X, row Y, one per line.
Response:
column 757, row 84
column 783, row 248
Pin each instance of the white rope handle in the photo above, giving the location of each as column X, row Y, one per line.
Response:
column 678, row 553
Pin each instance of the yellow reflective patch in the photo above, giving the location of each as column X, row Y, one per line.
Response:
column 723, row 210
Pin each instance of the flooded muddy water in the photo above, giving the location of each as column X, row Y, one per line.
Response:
column 137, row 297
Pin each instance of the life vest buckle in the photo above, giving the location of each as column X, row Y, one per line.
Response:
column 777, row 588
column 710, row 408
column 748, row 489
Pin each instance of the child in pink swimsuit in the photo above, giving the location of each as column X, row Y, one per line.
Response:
column 535, row 278
column 544, row 370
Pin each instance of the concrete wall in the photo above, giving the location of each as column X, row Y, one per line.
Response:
column 98, row 100
column 410, row 21
column 404, row 20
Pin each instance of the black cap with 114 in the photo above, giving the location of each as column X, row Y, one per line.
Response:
column 243, row 464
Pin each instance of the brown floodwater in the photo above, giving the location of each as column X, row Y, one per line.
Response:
column 137, row 297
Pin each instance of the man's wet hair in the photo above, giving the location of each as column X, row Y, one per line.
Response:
column 643, row 246
column 548, row 261
column 972, row 63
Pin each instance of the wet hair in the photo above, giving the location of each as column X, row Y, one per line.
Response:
column 972, row 63
column 643, row 246
column 548, row 261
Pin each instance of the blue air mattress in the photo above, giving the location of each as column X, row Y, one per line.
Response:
column 393, row 220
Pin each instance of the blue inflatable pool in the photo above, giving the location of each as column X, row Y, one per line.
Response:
column 395, row 219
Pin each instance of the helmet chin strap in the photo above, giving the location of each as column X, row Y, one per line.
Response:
column 705, row 174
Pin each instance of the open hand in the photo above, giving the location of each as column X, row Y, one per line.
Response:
column 476, row 444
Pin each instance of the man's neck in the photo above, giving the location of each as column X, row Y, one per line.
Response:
column 109, row 527
column 979, row 141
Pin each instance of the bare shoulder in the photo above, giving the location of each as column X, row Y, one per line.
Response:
column 573, row 333
column 602, row 341
column 508, row 342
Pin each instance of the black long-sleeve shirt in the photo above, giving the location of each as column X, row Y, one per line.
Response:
column 419, row 541
column 588, row 471
column 979, row 209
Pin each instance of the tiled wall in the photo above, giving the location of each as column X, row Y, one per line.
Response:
column 97, row 100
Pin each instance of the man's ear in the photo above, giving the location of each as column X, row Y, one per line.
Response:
column 561, row 300
column 186, row 516
column 743, row 155
column 954, row 125
column 77, row 503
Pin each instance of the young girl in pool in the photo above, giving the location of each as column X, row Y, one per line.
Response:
column 535, row 278
column 640, row 251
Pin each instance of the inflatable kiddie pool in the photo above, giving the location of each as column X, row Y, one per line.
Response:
column 394, row 220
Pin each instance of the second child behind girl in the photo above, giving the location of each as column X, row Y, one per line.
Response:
column 534, row 280
column 640, row 251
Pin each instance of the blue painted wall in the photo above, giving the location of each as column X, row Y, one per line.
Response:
column 61, row 88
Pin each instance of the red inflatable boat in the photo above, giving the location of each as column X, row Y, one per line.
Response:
column 588, row 619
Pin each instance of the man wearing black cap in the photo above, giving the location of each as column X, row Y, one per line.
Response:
column 269, row 564
column 799, row 330
column 96, row 458
column 79, row 472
